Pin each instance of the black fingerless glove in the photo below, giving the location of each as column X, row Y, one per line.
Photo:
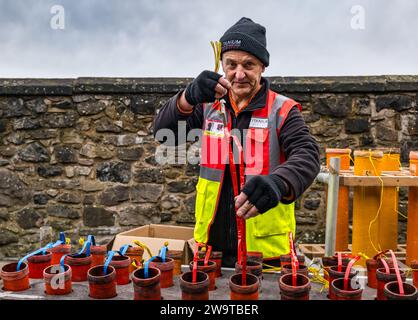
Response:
column 202, row 89
column 265, row 192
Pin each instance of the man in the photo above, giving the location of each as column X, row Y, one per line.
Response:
column 281, row 158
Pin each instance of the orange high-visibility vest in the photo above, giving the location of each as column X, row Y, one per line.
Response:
column 267, row 232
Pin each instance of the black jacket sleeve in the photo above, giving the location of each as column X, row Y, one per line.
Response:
column 302, row 163
column 169, row 117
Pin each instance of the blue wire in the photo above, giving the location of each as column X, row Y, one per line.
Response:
column 146, row 266
column 110, row 255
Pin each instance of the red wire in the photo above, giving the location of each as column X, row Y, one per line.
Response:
column 194, row 274
column 377, row 256
column 347, row 271
column 195, row 257
column 207, row 256
column 385, row 264
column 242, row 245
column 398, row 274
column 294, row 260
column 340, row 261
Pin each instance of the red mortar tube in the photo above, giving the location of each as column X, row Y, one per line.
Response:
column 328, row 262
column 286, row 259
column 57, row 281
column 340, row 283
column 253, row 267
column 302, row 269
column 290, row 292
column 372, row 265
column 177, row 256
column 98, row 254
column 383, row 277
column 214, row 256
column 80, row 264
column 345, row 293
column 102, row 286
column 147, row 288
column 166, row 268
column 241, row 292
column 255, row 256
column 335, row 274
column 414, row 267
column 37, row 263
column 209, row 268
column 58, row 252
column 391, row 291
column 121, row 265
column 15, row 280
column 198, row 290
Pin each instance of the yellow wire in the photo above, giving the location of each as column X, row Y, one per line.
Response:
column 394, row 157
column 138, row 243
column 316, row 277
column 400, row 168
column 408, row 272
column 217, row 48
column 271, row 268
column 402, row 215
column 363, row 255
column 214, row 53
column 351, row 159
column 380, row 205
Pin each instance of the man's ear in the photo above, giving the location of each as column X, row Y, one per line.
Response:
column 264, row 69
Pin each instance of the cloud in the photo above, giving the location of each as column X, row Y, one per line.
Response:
column 170, row 38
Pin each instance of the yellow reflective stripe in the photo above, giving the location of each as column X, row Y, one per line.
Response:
column 207, row 193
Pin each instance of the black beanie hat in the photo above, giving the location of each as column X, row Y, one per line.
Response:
column 248, row 36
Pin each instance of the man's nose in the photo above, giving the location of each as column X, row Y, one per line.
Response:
column 239, row 74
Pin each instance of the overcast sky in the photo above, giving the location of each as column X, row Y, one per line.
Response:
column 170, row 38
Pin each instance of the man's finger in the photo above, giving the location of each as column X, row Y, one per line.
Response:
column 244, row 208
column 239, row 201
column 251, row 213
column 225, row 83
column 221, row 90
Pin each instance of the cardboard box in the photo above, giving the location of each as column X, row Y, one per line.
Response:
column 154, row 236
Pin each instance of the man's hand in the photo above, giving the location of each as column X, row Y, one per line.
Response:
column 207, row 87
column 260, row 194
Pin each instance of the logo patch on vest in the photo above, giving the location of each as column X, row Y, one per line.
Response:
column 214, row 128
column 259, row 123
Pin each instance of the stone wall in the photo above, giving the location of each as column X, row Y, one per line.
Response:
column 78, row 154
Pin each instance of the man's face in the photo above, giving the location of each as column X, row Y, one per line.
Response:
column 243, row 71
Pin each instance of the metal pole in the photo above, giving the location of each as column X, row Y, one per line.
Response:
column 322, row 177
column 332, row 206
